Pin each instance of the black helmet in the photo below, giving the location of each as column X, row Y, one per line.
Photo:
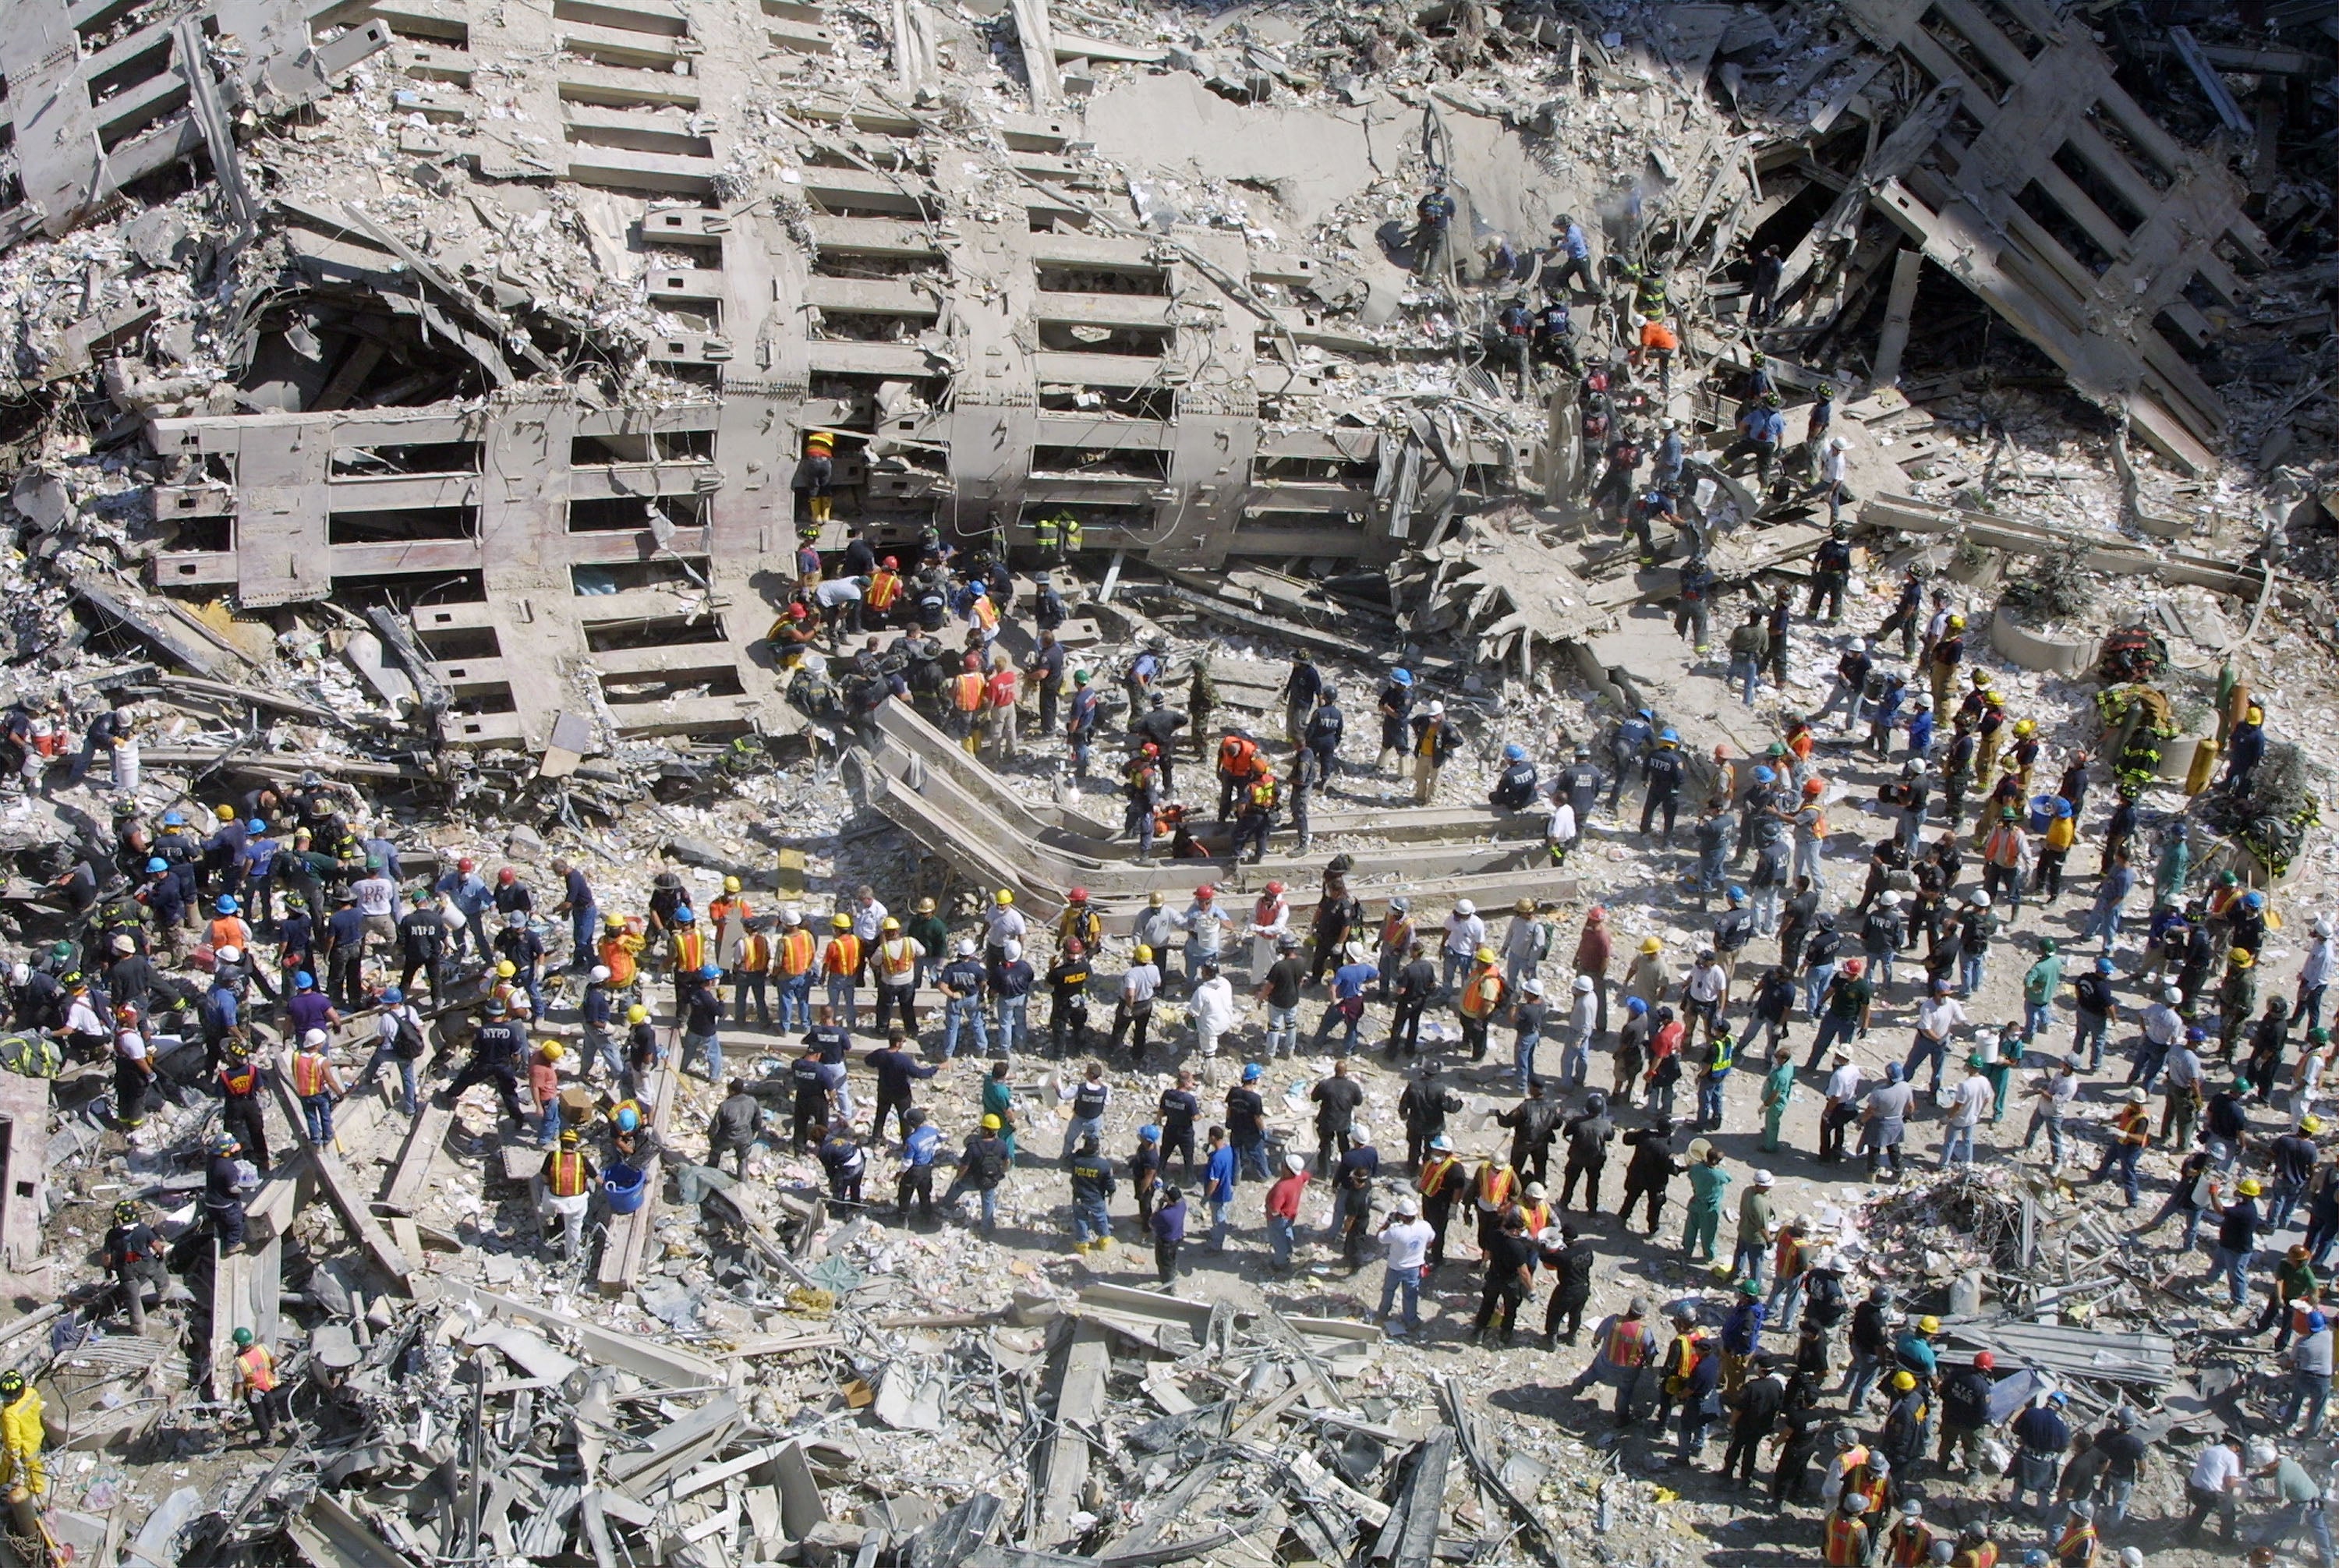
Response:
column 125, row 1212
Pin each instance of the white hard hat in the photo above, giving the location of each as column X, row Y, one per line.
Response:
column 966, row 947
column 315, row 1037
column 1838, row 443
column 1436, row 710
column 1890, row 900
column 1011, row 950
column 229, row 954
column 1763, row 1179
column 1583, row 982
column 600, row 973
column 1409, row 1206
column 1463, row 907
column 1296, row 1163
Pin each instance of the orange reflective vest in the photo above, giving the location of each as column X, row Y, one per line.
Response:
column 617, row 957
column 728, row 907
column 1433, row 1173
column 897, row 962
column 1238, row 755
column 258, row 1368
column 843, row 955
column 884, row 588
column 754, row 954
column 1496, row 1184
column 796, row 951
column 689, row 950
column 1628, row 1343
column 239, row 1081
column 1483, row 995
column 228, row 931
column 308, row 1074
column 1912, row 1545
column 968, row 692
column 564, row 1174
column 1847, row 1540
column 1538, row 1217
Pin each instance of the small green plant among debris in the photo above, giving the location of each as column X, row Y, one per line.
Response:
column 2059, row 590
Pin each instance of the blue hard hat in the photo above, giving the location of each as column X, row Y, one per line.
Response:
column 304, row 980
column 392, row 995
column 173, row 819
column 2316, row 1323
column 226, row 905
column 1737, row 895
column 1253, row 1073
column 1515, row 753
column 1635, row 1006
column 710, row 971
column 255, row 825
column 1149, row 1132
column 628, row 1119
column 1764, row 775
column 2195, row 1035
column 2103, row 966
column 1402, row 677
column 2062, row 806
column 1891, row 1072
column 157, row 864
column 1669, row 734
column 2254, row 902
column 2058, row 1397
column 1648, row 713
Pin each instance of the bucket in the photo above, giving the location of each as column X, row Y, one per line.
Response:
column 2042, row 812
column 623, row 1186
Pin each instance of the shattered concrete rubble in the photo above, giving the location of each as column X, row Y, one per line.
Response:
column 426, row 402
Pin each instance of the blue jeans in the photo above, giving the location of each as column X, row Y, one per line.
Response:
column 1815, row 984
column 1010, row 1022
column 1523, row 1056
column 1880, row 966
column 1831, row 1030
column 1080, row 1127
column 1957, row 1145
column 582, row 923
column 1924, row 1049
column 2282, row 1202
column 1786, row 1302
column 1709, row 872
column 1970, row 971
column 957, row 1012
column 385, row 1053
column 1709, row 1099
column 1219, row 1212
column 1392, row 960
column 796, row 1002
column 711, row 1045
column 1394, row 1279
column 1451, row 963
column 1576, row 1058
column 1278, row 1239
column 1251, row 1159
column 2037, row 1017
column 2309, row 1391
column 1091, row 1222
column 2103, row 922
column 548, row 1123
column 2088, row 1039
column 1745, row 674
column 842, row 994
column 1807, row 863
column 2235, row 1267
column 316, row 1111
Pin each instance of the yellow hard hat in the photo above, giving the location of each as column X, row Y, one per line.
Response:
column 638, row 1013
column 1003, row 897
column 2310, row 1124
column 2242, row 958
column 730, row 884
column 990, row 1124
column 890, row 924
column 504, row 970
column 1651, row 944
column 225, row 813
column 841, row 922
column 822, row 440
column 2256, row 716
column 2026, row 726
column 1928, row 1324
column 1957, row 623
column 2249, row 1187
column 554, row 1051
column 1904, row 1381
column 1144, row 953
column 1485, row 955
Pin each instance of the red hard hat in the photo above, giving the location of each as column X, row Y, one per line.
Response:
column 507, row 875
column 889, row 563
column 1079, row 895
column 1986, row 1361
column 1852, row 966
column 467, row 863
column 1206, row 891
column 1812, row 786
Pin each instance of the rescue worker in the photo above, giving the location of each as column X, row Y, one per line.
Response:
column 563, row 1192
column 21, row 1435
column 134, row 1254
column 258, row 1385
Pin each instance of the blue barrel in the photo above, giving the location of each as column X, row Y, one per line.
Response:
column 2042, row 812
column 623, row 1186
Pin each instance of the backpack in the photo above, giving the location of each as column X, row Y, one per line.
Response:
column 1824, row 1297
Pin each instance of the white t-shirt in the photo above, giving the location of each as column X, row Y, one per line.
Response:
column 2060, row 1090
column 1974, row 1096
column 1843, row 1084
column 2217, row 1467
column 1406, row 1244
column 375, row 895
column 1939, row 1017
